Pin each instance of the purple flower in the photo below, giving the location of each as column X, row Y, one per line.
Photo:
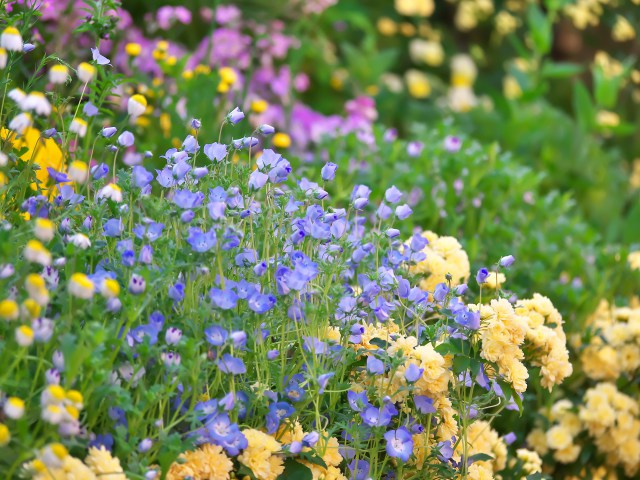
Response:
column 452, row 144
column 413, row 373
column 146, row 255
column 440, row 292
column 414, row 148
column 176, row 292
column 359, row 469
column 137, row 284
column 273, row 354
column 58, row 177
column 126, row 139
column 190, row 144
column 461, row 289
column 403, row 211
column 375, row 366
column 231, row 364
column 257, row 180
column 328, row 172
column 201, row 241
column 392, row 195
column 376, row 417
column 223, row 299
column 260, row 303
column 266, row 129
column 424, row 404
column 108, row 132
column 323, row 380
column 277, row 412
column 235, row 116
column 145, row 445
column 113, row 227
column 141, row 176
column 173, row 336
column 217, row 210
column 90, row 110
column 399, row 443
column 216, row 335
column 99, row 58
column 509, row 438
column 187, row 199
column 468, row 319
column 482, row 275
column 196, row 124
column 507, row 261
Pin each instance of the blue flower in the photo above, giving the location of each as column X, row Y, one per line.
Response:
column 260, row 303
column 235, row 116
column 266, row 129
column 399, row 443
column 424, row 404
column 277, row 412
column 113, row 227
column 190, row 145
column 150, row 231
column 375, row 366
column 392, row 194
column 108, row 132
column 376, row 417
column 359, row 469
column 257, row 180
column 176, row 292
column 507, row 261
column 440, row 293
column 323, row 380
column 224, row 299
column 141, row 176
column 413, row 373
column 90, row 110
column 201, row 241
column 126, row 139
column 328, row 172
column 216, row 335
column 215, row 151
column 231, row 364
column 187, row 199
column 403, row 211
column 482, row 275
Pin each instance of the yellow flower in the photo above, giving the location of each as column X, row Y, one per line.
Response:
column 31, row 308
column 44, row 229
column 133, row 49
column 14, row 408
column 209, row 461
column 605, row 118
column 415, row 8
column 228, row 75
column 110, row 288
column 259, row 106
column 559, row 437
column 58, row 74
column 5, row 435
column 387, row 27
column 281, row 140
column 103, row 465
column 24, row 335
column 136, row 105
column 511, row 87
column 418, row 84
column 495, row 280
column 81, row 286
column 35, row 252
column 86, row 72
column 9, row 309
column 424, row 51
column 623, row 30
column 261, row 455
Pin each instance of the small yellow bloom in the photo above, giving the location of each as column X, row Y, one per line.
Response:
column 79, row 171
column 228, row 75
column 75, row 396
column 81, row 286
column 133, row 49
column 281, row 140
column 165, row 123
column 31, row 308
column 407, row 29
column 187, row 74
column 171, row 60
column 387, row 27
column 418, row 84
column 58, row 74
column 202, row 69
column 44, row 229
column 14, row 408
column 9, row 309
column 35, row 252
column 623, row 31
column 24, row 335
column 162, row 45
column 511, row 87
column 79, row 126
column 5, row 435
column 86, row 72
column 136, row 105
column 223, row 87
column 159, row 54
column 110, row 288
column 605, row 118
column 259, row 106
column 11, row 39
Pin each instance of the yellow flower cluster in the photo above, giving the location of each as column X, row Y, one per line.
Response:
column 481, row 438
column 55, row 463
column 559, row 438
column 634, row 257
column 495, row 280
column 470, row 12
column 502, row 333
column 531, row 461
column 611, row 417
column 208, row 461
column 444, row 255
column 261, row 455
column 327, row 449
column 585, row 13
column 547, row 338
column 615, row 349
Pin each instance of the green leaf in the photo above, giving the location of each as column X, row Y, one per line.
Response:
column 461, row 363
column 583, row 107
column 313, row 457
column 560, row 69
column 480, row 457
column 540, row 28
column 378, row 342
column 294, row 470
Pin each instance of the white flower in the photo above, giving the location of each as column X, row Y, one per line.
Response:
column 137, row 105
column 21, row 122
column 79, row 171
column 4, row 159
column 78, row 126
column 52, row 414
column 24, row 336
column 11, row 39
column 58, row 74
column 3, row 58
column 111, row 191
column 36, row 288
column 17, row 95
column 38, row 102
column 44, row 229
column 14, row 408
column 81, row 241
column 86, row 71
column 35, row 252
